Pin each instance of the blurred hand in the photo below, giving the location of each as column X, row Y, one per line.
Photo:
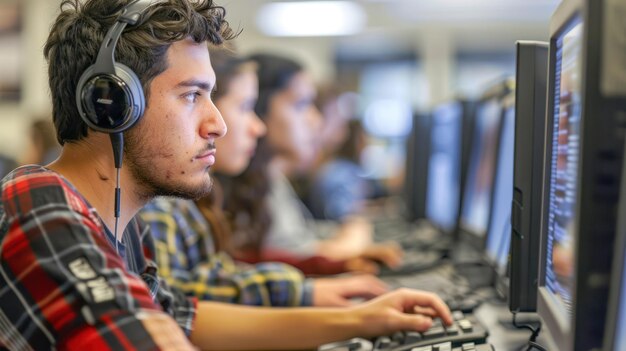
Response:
column 361, row 265
column 389, row 253
column 337, row 292
column 401, row 310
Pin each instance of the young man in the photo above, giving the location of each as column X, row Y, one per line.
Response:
column 67, row 279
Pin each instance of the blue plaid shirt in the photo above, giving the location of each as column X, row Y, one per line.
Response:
column 185, row 254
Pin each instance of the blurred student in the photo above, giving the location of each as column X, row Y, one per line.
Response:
column 69, row 282
column 265, row 212
column 338, row 188
column 192, row 240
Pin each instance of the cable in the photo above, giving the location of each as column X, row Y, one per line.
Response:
column 532, row 343
column 117, row 207
column 117, row 142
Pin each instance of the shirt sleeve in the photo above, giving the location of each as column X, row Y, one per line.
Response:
column 62, row 281
column 314, row 265
column 188, row 263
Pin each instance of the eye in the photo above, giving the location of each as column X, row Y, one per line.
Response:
column 192, row 97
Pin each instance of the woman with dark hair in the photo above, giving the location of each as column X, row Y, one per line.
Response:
column 268, row 219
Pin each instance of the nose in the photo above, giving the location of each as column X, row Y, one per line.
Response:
column 257, row 127
column 212, row 125
column 315, row 119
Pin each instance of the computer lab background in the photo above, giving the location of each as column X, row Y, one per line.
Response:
column 396, row 58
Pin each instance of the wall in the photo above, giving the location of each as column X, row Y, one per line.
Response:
column 15, row 118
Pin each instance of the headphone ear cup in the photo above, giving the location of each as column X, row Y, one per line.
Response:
column 110, row 103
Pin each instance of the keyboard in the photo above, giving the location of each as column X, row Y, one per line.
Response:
column 413, row 262
column 465, row 334
column 447, row 346
column 465, row 329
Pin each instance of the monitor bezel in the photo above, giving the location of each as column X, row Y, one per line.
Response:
column 530, row 126
column 416, row 173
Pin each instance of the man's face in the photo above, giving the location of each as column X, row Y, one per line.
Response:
column 293, row 121
column 170, row 150
column 244, row 126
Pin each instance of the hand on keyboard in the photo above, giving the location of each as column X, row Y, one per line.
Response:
column 403, row 310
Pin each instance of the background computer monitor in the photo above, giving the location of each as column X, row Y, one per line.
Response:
column 416, row 172
column 584, row 160
column 499, row 229
column 530, row 125
column 478, row 184
column 443, row 191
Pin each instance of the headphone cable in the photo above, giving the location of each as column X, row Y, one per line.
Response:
column 117, row 142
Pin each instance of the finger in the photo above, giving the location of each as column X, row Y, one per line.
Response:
column 412, row 298
column 411, row 322
column 427, row 311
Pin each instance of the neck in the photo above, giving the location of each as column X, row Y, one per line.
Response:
column 89, row 166
column 281, row 165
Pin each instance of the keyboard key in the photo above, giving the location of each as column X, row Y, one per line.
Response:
column 458, row 315
column 452, row 330
column 398, row 337
column 436, row 323
column 434, row 333
column 465, row 325
column 446, row 346
column 470, row 346
column 412, row 337
column 382, row 343
column 422, row 348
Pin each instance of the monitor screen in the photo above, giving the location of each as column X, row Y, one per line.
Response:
column 482, row 161
column 563, row 187
column 499, row 234
column 444, row 166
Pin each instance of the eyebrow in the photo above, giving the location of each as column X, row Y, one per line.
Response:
column 203, row 85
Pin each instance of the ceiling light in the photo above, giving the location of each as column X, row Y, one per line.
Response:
column 311, row 18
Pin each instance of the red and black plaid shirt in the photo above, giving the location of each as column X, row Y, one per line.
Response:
column 62, row 283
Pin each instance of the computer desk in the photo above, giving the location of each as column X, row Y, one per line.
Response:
column 504, row 338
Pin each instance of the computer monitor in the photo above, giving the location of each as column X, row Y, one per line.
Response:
column 443, row 191
column 478, row 185
column 416, row 173
column 530, row 124
column 499, row 229
column 584, row 157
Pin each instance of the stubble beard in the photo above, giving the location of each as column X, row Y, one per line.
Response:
column 153, row 182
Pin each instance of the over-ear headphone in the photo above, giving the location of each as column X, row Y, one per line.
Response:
column 109, row 95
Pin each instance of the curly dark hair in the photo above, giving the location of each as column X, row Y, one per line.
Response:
column 79, row 30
